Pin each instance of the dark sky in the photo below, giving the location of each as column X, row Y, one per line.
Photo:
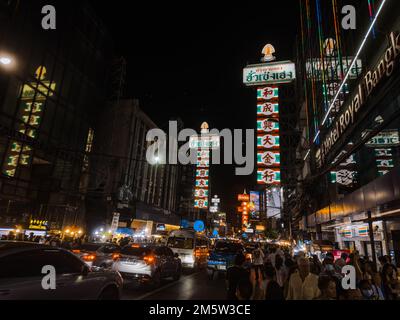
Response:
column 186, row 60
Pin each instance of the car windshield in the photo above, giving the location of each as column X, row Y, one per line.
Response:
column 180, row 243
column 90, row 246
column 135, row 251
column 229, row 247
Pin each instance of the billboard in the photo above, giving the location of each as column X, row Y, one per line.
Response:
column 266, row 73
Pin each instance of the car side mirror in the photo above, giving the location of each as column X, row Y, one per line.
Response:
column 85, row 270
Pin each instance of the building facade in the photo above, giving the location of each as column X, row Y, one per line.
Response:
column 123, row 181
column 349, row 151
column 55, row 83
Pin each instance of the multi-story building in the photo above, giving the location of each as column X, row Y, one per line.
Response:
column 52, row 83
column 350, row 147
column 122, row 180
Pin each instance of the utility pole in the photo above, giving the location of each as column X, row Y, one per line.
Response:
column 371, row 237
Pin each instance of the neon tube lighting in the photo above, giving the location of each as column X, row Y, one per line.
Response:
column 352, row 64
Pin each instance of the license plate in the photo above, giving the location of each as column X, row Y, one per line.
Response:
column 221, row 267
column 129, row 262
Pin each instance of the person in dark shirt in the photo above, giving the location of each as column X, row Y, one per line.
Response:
column 234, row 274
column 244, row 290
column 273, row 290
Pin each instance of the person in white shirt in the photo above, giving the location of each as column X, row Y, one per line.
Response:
column 258, row 259
column 303, row 285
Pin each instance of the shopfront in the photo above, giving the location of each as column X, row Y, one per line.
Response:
column 354, row 237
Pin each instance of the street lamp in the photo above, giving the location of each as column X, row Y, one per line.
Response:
column 6, row 61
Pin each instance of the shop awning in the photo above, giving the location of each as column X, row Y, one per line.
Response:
column 323, row 245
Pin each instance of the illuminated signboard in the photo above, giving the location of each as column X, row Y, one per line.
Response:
column 266, row 73
column 255, row 198
column 385, row 138
column 202, row 173
column 383, row 153
column 30, row 116
column 268, row 126
column 35, row 224
column 268, row 109
column 268, row 141
column 203, row 144
column 201, row 204
column 332, row 69
column 385, row 163
column 202, row 183
column 208, row 142
column 346, row 232
column 269, row 158
column 203, row 155
column 269, row 176
column 244, row 197
column 267, row 93
column 201, row 193
column 343, row 177
column 203, row 163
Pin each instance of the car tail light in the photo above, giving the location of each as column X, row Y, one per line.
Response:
column 135, row 246
column 197, row 253
column 116, row 256
column 149, row 259
column 89, row 257
column 76, row 251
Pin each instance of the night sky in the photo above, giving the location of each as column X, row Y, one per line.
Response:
column 186, row 60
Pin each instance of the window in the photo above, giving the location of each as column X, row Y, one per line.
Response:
column 169, row 252
column 180, row 243
column 160, row 251
column 30, row 264
column 109, row 249
column 20, row 265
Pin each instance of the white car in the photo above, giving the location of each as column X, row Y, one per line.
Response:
column 21, row 265
column 147, row 263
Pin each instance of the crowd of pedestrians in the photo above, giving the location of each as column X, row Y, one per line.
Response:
column 277, row 275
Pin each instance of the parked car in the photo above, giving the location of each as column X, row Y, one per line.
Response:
column 21, row 276
column 223, row 256
column 97, row 254
column 148, row 263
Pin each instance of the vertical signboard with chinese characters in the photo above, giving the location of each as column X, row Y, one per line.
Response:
column 202, row 171
column 268, row 140
column 243, row 209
